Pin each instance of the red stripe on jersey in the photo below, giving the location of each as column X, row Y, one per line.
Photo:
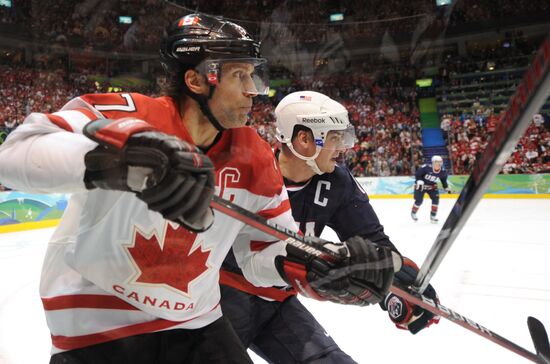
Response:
column 88, row 113
column 296, row 273
column 60, row 122
column 276, row 211
column 237, row 281
column 75, row 342
column 85, row 301
column 257, row 246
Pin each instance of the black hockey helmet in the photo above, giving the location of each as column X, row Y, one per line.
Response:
column 204, row 43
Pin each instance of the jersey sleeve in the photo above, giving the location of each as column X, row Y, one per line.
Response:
column 46, row 153
column 419, row 173
column 443, row 179
column 255, row 251
column 356, row 216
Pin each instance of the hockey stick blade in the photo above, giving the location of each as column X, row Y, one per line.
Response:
column 258, row 222
column 540, row 339
column 529, row 97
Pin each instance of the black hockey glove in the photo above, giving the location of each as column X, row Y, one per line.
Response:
column 362, row 276
column 405, row 315
column 170, row 175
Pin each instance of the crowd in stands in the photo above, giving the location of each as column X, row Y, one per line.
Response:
column 483, row 62
column 384, row 113
column 25, row 90
column 96, row 23
column 380, row 95
column 386, row 119
column 473, row 96
column 468, row 135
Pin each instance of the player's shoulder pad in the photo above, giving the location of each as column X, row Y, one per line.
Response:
column 341, row 175
column 124, row 104
column 256, row 158
column 345, row 181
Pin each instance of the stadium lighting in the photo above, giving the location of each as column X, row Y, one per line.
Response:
column 424, row 82
column 125, row 19
column 337, row 17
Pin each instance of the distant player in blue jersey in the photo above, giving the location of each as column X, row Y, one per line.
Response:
column 314, row 131
column 426, row 182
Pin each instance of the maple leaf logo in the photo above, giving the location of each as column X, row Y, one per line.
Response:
column 172, row 262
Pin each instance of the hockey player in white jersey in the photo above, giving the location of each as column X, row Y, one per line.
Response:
column 131, row 273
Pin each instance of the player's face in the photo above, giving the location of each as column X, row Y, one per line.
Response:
column 437, row 166
column 232, row 100
column 332, row 150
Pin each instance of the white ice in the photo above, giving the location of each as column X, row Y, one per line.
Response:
column 497, row 273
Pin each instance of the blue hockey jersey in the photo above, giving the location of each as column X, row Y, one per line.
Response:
column 336, row 200
column 427, row 174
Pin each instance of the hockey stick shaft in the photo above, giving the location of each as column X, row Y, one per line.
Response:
column 258, row 222
column 527, row 100
column 439, row 309
column 279, row 232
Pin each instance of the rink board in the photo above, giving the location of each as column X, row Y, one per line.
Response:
column 23, row 211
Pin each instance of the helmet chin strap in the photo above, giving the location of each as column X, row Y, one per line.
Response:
column 310, row 161
column 203, row 104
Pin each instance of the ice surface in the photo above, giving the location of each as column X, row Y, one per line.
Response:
column 497, row 273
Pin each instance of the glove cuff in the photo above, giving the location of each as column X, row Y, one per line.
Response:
column 115, row 132
column 295, row 274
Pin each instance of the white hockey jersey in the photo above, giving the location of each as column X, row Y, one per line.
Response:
column 114, row 268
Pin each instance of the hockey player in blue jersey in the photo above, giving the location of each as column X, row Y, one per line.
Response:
column 314, row 131
column 426, row 182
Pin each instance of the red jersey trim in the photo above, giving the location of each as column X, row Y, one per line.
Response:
column 85, row 301
column 60, row 122
column 239, row 282
column 75, row 342
column 276, row 211
column 89, row 114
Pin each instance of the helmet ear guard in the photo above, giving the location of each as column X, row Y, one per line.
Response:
column 253, row 83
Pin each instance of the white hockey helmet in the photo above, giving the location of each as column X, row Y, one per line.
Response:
column 437, row 163
column 319, row 113
column 314, row 110
column 437, row 158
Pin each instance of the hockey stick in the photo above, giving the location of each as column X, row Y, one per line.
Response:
column 530, row 95
column 540, row 339
column 237, row 212
column 258, row 222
